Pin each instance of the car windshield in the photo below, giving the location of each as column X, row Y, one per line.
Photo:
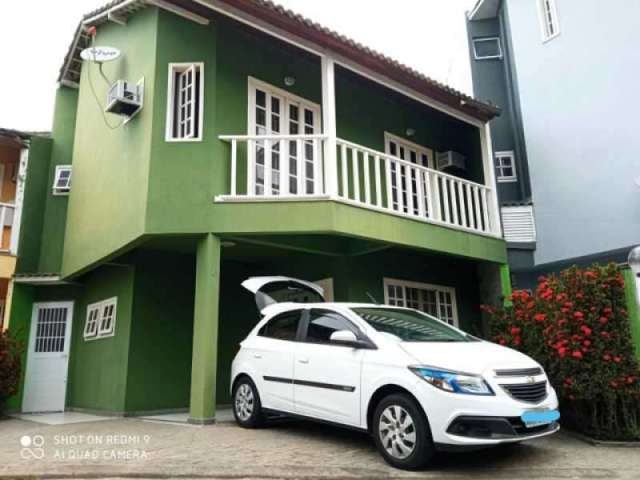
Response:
column 410, row 325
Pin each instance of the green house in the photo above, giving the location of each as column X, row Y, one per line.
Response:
column 245, row 141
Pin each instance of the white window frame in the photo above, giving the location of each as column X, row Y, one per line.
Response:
column 486, row 39
column 546, row 9
column 182, row 68
column 96, row 316
column 65, row 189
column 500, row 178
column 422, row 286
column 409, row 145
column 286, row 98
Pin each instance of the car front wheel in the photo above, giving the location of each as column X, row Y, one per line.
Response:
column 401, row 432
column 247, row 408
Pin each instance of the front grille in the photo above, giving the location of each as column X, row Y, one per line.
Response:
column 519, row 372
column 527, row 392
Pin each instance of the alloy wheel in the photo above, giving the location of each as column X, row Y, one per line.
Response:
column 244, row 402
column 397, row 432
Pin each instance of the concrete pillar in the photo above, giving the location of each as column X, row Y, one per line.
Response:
column 505, row 282
column 632, row 295
column 204, row 362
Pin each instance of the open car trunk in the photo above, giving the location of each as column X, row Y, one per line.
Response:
column 271, row 290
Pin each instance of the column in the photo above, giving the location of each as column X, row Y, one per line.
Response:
column 204, row 361
column 329, row 126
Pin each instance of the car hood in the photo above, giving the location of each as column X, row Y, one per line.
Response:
column 469, row 357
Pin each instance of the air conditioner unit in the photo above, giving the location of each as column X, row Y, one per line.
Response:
column 449, row 159
column 124, row 98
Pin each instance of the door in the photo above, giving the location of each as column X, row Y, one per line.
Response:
column 283, row 166
column 271, row 352
column 48, row 357
column 400, row 174
column 327, row 376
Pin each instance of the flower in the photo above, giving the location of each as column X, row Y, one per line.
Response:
column 577, row 354
column 606, row 357
column 578, row 315
column 617, row 359
column 515, row 331
column 603, row 320
column 540, row 317
column 586, row 330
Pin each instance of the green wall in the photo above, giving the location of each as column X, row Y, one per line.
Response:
column 55, row 211
column 98, row 368
column 632, row 307
column 159, row 368
column 111, row 166
column 36, row 194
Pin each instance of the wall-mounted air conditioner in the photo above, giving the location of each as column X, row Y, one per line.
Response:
column 445, row 160
column 124, row 98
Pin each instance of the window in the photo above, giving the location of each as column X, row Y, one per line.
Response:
column 323, row 323
column 505, row 167
column 101, row 319
column 487, row 48
column 435, row 300
column 282, row 327
column 185, row 102
column 62, row 180
column 548, row 19
column 284, row 166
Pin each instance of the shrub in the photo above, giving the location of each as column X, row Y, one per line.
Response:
column 576, row 326
column 10, row 366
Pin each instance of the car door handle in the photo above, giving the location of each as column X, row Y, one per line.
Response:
column 303, row 360
column 257, row 355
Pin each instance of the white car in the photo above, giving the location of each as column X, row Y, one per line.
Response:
column 417, row 384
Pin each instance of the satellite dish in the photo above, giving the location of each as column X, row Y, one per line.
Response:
column 100, row 54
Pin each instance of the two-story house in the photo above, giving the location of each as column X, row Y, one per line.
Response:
column 566, row 145
column 248, row 141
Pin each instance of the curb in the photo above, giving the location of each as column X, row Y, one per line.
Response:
column 601, row 443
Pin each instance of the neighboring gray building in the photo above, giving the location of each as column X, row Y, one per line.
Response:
column 567, row 145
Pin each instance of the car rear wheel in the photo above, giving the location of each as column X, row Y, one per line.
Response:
column 401, row 432
column 247, row 408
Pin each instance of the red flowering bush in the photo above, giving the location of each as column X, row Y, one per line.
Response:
column 10, row 366
column 576, row 325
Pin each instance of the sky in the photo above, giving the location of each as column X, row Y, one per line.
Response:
column 428, row 35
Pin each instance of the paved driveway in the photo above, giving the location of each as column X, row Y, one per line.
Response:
column 135, row 448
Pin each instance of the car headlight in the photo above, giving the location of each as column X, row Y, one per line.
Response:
column 454, row 382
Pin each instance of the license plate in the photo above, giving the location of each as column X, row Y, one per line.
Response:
column 535, row 418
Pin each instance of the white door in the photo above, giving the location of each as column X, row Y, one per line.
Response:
column 327, row 376
column 283, row 167
column 48, row 357
column 415, row 154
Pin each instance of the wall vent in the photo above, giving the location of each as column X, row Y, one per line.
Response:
column 518, row 224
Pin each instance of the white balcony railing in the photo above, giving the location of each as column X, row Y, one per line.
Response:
column 292, row 167
column 6, row 222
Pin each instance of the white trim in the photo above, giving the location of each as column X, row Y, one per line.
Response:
column 101, row 308
column 329, row 125
column 505, row 178
column 181, row 12
column 423, row 286
column 57, row 190
column 39, row 280
column 17, row 213
column 169, row 122
column 336, row 59
column 490, row 179
column 544, row 21
column 486, row 39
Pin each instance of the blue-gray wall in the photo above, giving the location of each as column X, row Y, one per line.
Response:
column 578, row 98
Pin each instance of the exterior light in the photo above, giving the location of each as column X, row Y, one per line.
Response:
column 410, row 132
column 634, row 260
column 228, row 243
column 289, row 81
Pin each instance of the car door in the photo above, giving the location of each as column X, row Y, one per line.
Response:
column 327, row 376
column 271, row 353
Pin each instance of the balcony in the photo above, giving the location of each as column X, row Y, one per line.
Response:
column 319, row 167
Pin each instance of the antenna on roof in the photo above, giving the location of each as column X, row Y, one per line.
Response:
column 371, row 297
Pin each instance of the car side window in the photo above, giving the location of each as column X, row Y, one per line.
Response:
column 322, row 323
column 282, row 327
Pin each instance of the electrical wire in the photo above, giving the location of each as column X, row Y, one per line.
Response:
column 95, row 95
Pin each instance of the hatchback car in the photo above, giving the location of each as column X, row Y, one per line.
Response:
column 417, row 384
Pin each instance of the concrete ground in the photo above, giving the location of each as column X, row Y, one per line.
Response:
column 138, row 448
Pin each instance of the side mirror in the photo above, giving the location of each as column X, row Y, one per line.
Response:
column 348, row 339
